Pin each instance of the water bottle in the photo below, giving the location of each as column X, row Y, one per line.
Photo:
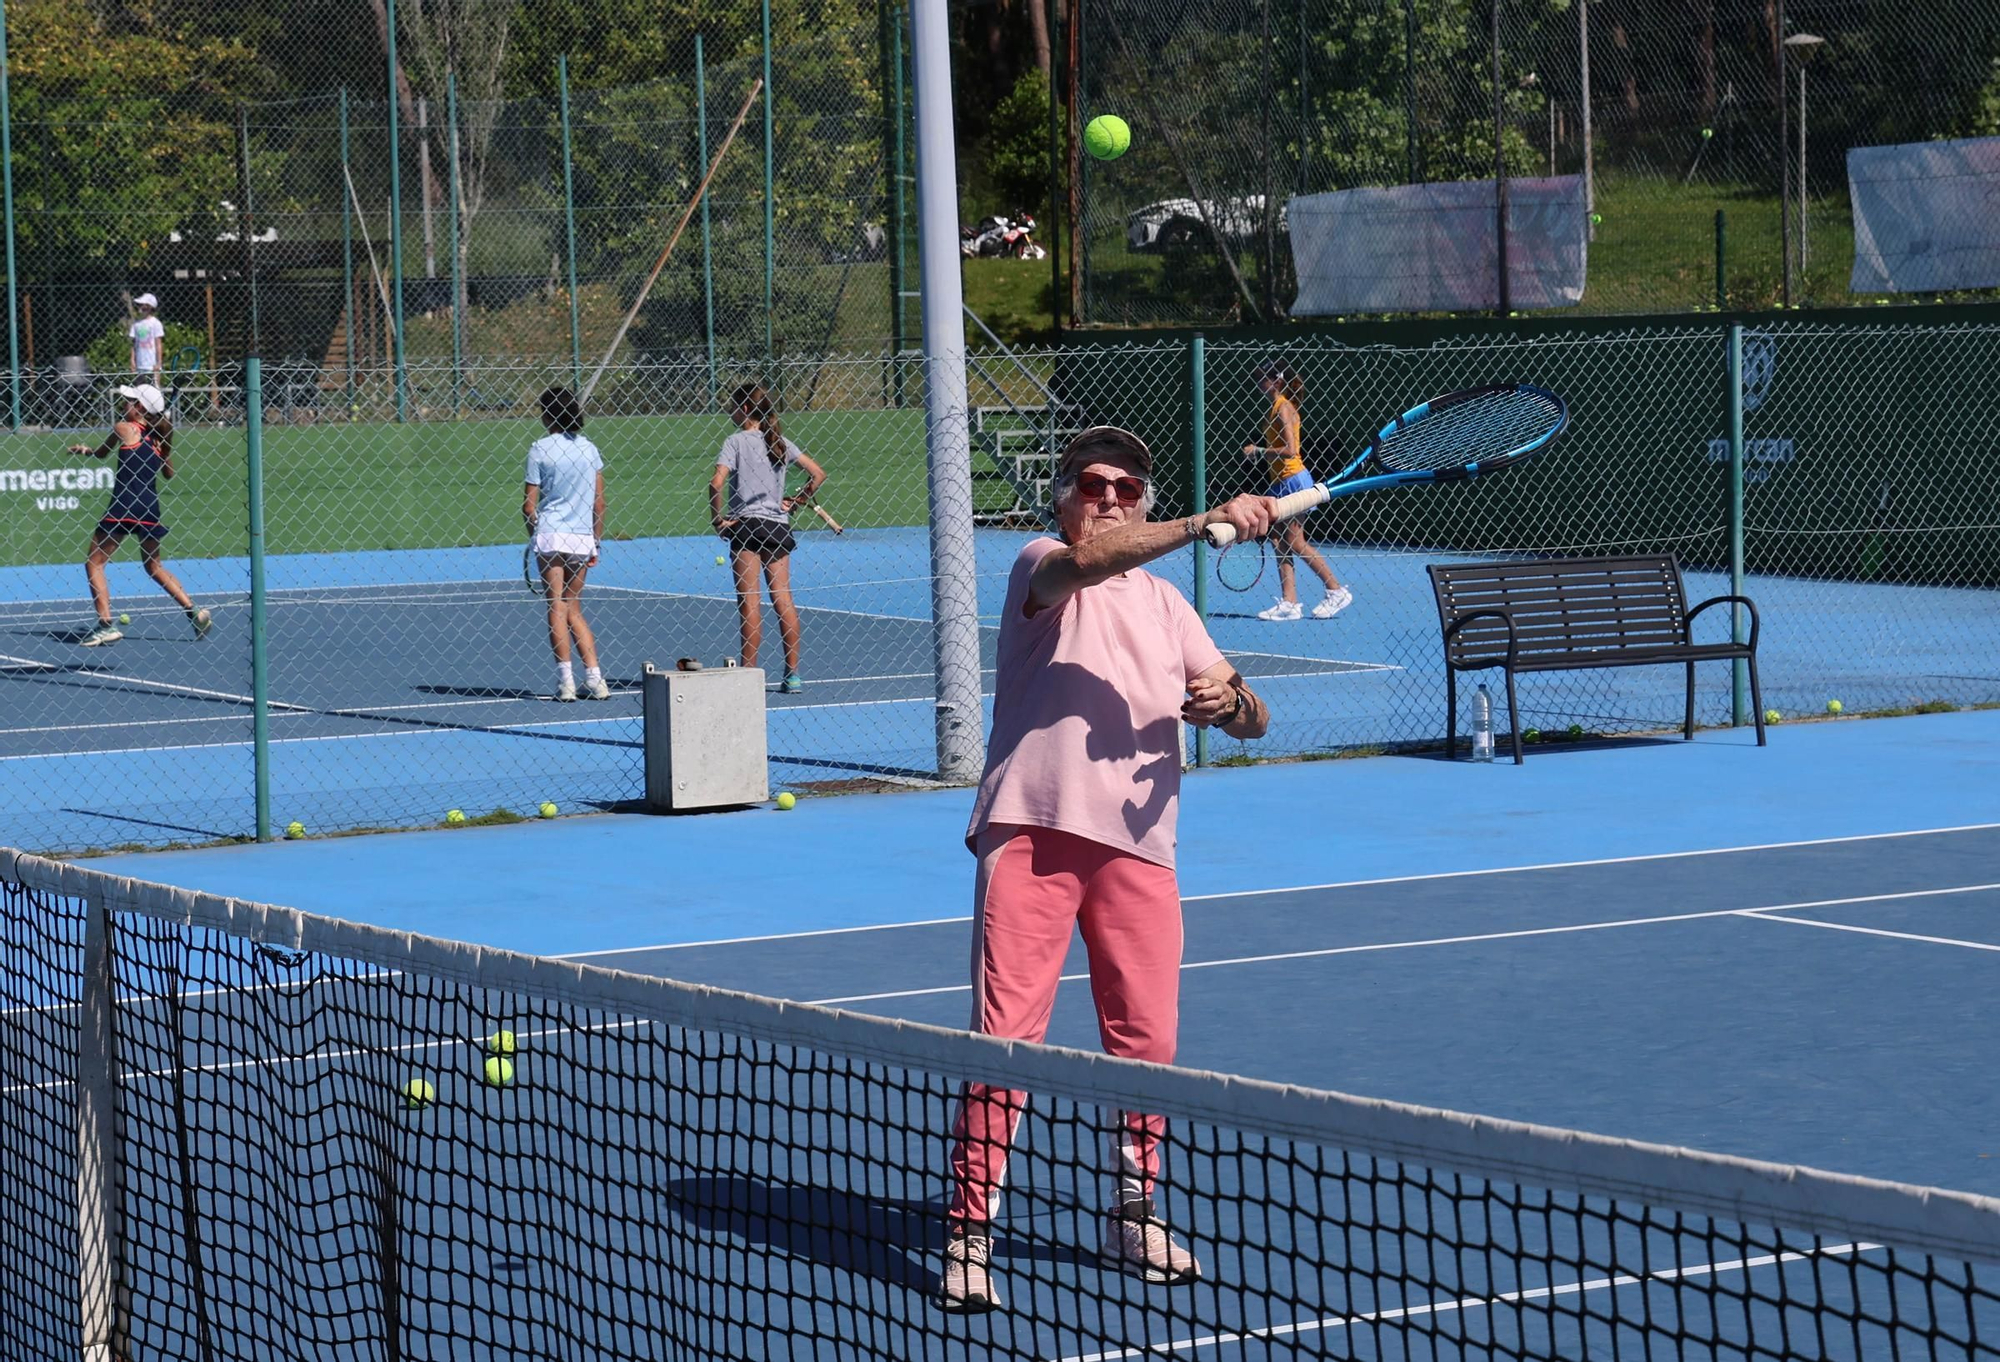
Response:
column 1482, row 724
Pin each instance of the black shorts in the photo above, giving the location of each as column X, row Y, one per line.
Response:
column 770, row 540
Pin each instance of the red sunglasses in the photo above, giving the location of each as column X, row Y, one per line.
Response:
column 1130, row 490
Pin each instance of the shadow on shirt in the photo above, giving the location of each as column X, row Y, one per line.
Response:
column 1089, row 693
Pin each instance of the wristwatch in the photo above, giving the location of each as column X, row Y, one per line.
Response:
column 1236, row 713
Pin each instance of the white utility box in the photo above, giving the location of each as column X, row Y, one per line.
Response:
column 705, row 740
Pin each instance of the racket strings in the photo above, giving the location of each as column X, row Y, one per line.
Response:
column 1478, row 430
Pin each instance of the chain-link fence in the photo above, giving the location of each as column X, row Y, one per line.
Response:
column 502, row 190
column 1708, row 141
column 410, row 671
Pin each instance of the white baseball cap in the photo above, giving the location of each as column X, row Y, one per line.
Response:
column 145, row 300
column 147, row 396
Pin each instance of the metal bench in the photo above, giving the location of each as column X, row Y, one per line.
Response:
column 1574, row 614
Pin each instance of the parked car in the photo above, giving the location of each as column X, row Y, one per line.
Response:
column 1169, row 223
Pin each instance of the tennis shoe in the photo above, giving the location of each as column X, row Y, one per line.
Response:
column 1136, row 1241
column 1334, row 602
column 202, row 622
column 566, row 691
column 597, row 690
column 1282, row 610
column 103, row 632
column 966, row 1286
column 792, row 684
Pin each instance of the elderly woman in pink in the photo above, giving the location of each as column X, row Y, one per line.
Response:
column 1099, row 665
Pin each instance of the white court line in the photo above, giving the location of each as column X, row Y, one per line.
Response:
column 1878, row 931
column 138, row 682
column 1465, row 1303
column 1517, row 934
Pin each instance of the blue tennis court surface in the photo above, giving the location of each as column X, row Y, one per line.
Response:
column 405, row 683
column 1783, row 953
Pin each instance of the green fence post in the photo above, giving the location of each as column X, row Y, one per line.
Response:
column 1721, row 260
column 770, row 178
column 457, row 255
column 1739, row 680
column 707, row 244
column 246, row 226
column 396, row 225
column 1198, row 428
column 260, row 678
column 569, row 229
column 346, row 250
column 899, row 279
column 7, row 180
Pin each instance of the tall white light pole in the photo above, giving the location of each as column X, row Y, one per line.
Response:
column 1802, row 46
column 961, row 747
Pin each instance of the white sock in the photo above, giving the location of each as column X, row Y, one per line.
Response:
column 564, row 675
column 593, row 676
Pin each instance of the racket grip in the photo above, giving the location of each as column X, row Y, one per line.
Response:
column 1292, row 504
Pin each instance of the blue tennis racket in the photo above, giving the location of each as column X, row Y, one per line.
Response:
column 1462, row 435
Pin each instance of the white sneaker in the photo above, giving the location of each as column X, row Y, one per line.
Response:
column 1333, row 603
column 597, row 690
column 566, row 691
column 1136, row 1241
column 1283, row 610
column 965, row 1286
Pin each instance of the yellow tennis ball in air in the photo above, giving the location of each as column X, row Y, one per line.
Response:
column 124, row 619
column 720, row 560
column 787, row 800
column 500, row 1043
column 454, row 816
column 1772, row 716
column 547, row 810
column 295, row 830
column 1107, row 137
column 499, row 1072
column 1833, row 706
column 418, row 1094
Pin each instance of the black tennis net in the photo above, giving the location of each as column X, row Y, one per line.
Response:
column 213, row 1150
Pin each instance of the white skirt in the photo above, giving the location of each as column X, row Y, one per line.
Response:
column 569, row 545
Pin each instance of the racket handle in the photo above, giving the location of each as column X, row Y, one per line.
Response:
column 1292, row 504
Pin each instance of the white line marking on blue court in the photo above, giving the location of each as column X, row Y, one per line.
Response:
column 1473, row 939
column 1762, row 914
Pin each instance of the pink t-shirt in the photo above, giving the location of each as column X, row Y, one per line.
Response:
column 1087, row 711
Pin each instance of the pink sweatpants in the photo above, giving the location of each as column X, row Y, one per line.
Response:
column 1033, row 884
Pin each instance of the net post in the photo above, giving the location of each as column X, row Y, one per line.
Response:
column 569, row 225
column 98, row 1223
column 707, row 242
column 13, row 276
column 260, row 674
column 1198, row 462
column 1739, row 677
column 954, row 565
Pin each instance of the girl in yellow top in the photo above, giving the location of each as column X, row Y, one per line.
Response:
column 1290, row 474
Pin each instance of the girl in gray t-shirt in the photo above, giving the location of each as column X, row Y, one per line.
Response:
column 751, row 468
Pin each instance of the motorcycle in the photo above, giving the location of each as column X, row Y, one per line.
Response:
column 999, row 236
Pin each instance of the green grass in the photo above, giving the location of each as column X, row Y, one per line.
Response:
column 378, row 485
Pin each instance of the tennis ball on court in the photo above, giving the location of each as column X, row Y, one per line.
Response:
column 1107, row 137
column 1576, row 730
column 787, row 800
column 124, row 619
column 295, row 830
column 500, row 1043
column 1772, row 716
column 454, row 816
column 1531, row 735
column 547, row 810
column 499, row 1072
column 418, row 1094
column 1833, row 706
column 1596, row 218
column 720, row 560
